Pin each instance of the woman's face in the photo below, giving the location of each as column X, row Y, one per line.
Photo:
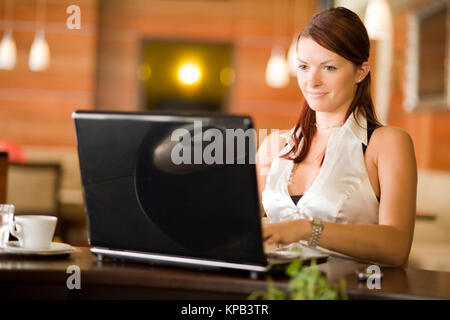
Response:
column 327, row 80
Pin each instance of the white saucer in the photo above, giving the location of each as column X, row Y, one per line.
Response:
column 56, row 248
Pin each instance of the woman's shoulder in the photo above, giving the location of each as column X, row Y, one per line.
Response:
column 273, row 143
column 390, row 138
column 392, row 134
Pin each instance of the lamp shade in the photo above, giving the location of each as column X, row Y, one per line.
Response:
column 292, row 57
column 378, row 19
column 277, row 70
column 8, row 52
column 39, row 59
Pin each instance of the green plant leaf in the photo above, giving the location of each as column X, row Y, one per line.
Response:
column 293, row 268
column 305, row 283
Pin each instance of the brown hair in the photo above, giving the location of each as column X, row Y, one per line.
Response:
column 339, row 30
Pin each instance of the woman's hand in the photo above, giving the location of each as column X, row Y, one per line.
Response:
column 286, row 232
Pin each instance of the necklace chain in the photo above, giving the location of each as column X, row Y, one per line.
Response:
column 328, row 127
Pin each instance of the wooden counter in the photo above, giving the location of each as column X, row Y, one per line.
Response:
column 46, row 278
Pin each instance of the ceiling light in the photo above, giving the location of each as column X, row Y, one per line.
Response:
column 277, row 70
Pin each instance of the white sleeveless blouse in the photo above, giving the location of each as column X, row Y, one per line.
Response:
column 341, row 192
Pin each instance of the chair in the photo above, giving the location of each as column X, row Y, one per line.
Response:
column 431, row 245
column 3, row 175
column 33, row 188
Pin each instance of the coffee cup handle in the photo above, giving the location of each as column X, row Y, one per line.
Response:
column 16, row 230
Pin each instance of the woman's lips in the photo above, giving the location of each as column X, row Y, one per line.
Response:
column 316, row 94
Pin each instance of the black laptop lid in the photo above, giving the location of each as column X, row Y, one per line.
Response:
column 172, row 184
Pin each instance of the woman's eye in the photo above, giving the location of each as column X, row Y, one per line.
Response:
column 330, row 68
column 302, row 67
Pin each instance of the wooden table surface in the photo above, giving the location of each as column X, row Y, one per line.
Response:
column 46, row 278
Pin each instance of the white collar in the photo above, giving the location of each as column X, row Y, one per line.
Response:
column 358, row 128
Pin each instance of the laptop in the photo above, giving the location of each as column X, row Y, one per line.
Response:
column 174, row 188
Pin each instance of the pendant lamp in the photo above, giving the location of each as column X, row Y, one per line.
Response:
column 39, row 59
column 378, row 20
column 277, row 70
column 8, row 51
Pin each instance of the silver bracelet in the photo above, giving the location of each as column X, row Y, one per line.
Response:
column 317, row 228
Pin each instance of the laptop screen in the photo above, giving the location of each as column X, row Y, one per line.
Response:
column 171, row 184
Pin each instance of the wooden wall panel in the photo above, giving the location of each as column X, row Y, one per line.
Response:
column 430, row 130
column 251, row 26
column 440, row 141
column 36, row 107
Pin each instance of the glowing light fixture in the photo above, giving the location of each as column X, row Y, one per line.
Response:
column 277, row 70
column 189, row 73
column 39, row 58
column 40, row 53
column 292, row 52
column 292, row 57
column 8, row 52
column 378, row 20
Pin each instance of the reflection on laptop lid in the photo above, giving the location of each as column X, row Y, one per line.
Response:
column 171, row 188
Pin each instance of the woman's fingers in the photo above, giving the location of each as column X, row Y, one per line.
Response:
column 268, row 231
column 270, row 236
column 283, row 232
column 273, row 239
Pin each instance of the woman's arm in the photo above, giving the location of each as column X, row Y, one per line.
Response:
column 389, row 241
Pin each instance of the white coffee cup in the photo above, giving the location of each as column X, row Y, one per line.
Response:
column 33, row 232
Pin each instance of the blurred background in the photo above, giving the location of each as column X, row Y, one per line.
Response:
column 232, row 56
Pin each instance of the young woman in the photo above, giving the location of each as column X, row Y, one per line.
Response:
column 339, row 179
